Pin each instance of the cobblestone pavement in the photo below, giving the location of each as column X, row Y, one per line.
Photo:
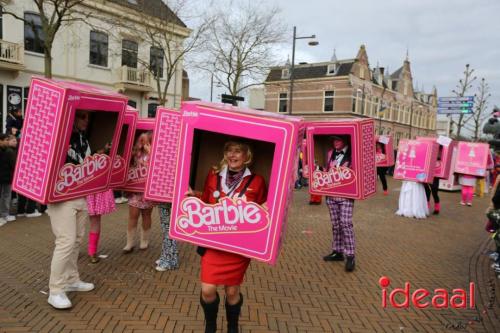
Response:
column 302, row 293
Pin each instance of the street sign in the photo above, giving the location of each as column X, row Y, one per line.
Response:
column 456, row 99
column 231, row 99
column 454, row 110
column 456, row 105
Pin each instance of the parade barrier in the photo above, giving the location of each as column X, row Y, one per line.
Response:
column 472, row 158
column 161, row 173
column 385, row 156
column 121, row 163
column 232, row 224
column 42, row 173
column 445, row 155
column 358, row 181
column 416, row 160
column 137, row 174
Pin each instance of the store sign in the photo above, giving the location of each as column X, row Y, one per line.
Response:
column 14, row 98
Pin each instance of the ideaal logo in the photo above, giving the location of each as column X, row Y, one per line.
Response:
column 73, row 175
column 227, row 216
column 422, row 298
column 334, row 177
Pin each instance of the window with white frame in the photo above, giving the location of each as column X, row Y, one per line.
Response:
column 129, row 53
column 283, row 101
column 285, row 73
column 98, row 48
column 156, row 56
column 34, row 38
column 331, row 69
column 328, row 100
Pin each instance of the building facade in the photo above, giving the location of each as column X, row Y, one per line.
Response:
column 350, row 88
column 104, row 48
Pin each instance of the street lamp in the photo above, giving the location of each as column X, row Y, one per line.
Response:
column 292, row 74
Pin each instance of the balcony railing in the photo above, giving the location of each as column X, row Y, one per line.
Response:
column 135, row 76
column 11, row 52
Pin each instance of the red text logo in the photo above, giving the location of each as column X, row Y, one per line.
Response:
column 422, row 298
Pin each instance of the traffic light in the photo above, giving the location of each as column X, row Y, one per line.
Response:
column 231, row 99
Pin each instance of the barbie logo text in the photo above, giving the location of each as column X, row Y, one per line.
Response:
column 118, row 163
column 334, row 177
column 137, row 173
column 227, row 216
column 423, row 298
column 71, row 174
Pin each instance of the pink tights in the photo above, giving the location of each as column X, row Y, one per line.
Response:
column 467, row 193
column 93, row 243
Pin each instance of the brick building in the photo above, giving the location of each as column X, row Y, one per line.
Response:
column 350, row 88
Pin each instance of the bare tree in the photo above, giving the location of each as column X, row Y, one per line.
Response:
column 462, row 87
column 53, row 15
column 173, row 48
column 480, row 115
column 242, row 43
column 169, row 37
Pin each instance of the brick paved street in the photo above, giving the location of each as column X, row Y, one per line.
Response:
column 300, row 294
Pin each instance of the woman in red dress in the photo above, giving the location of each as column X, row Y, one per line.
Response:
column 231, row 179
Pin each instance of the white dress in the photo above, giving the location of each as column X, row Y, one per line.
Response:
column 412, row 200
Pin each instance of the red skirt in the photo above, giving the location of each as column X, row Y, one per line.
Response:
column 223, row 268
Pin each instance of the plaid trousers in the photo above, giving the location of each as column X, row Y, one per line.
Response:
column 341, row 216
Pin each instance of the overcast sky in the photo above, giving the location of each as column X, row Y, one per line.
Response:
column 441, row 37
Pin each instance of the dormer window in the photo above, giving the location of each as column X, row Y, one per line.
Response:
column 285, row 73
column 332, row 69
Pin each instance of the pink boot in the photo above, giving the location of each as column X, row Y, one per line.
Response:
column 437, row 208
column 92, row 248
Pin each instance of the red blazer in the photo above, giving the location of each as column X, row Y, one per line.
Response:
column 256, row 191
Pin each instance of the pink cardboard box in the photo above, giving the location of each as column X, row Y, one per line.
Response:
column 445, row 155
column 42, row 173
column 357, row 181
column 472, row 158
column 122, row 158
column 161, row 177
column 384, row 151
column 138, row 172
column 233, row 224
column 416, row 160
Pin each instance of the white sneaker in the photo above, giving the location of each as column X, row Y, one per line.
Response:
column 161, row 269
column 59, row 301
column 124, row 200
column 79, row 286
column 10, row 218
column 494, row 256
column 2, row 221
column 157, row 262
column 118, row 200
column 34, row 214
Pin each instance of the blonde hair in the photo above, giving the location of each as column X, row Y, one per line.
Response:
column 138, row 150
column 243, row 146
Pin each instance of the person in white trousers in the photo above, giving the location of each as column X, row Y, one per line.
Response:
column 68, row 220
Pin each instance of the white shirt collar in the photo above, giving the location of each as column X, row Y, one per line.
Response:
column 223, row 174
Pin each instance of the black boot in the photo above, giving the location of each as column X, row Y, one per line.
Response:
column 233, row 314
column 210, row 310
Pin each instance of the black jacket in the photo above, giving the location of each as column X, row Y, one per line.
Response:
column 7, row 165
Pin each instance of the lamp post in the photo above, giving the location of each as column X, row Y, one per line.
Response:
column 292, row 69
column 381, row 111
